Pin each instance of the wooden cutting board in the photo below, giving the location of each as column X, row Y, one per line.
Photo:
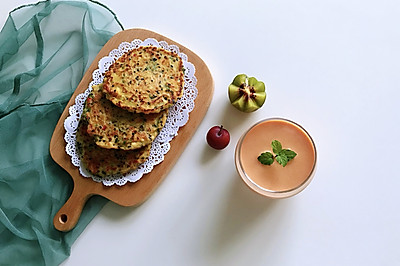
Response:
column 132, row 193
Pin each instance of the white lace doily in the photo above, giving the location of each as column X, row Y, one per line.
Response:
column 177, row 117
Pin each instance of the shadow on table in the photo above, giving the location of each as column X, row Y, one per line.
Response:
column 247, row 218
column 232, row 118
column 116, row 212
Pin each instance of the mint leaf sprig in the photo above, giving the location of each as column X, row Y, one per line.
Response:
column 282, row 156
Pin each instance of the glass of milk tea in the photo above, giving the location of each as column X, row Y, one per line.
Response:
column 276, row 181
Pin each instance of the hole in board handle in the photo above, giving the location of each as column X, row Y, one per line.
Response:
column 63, row 218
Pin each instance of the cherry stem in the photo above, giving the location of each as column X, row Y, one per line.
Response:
column 220, row 130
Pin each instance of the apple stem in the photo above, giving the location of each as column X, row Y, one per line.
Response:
column 220, row 130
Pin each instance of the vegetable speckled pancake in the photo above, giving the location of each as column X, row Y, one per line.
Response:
column 145, row 80
column 105, row 162
column 116, row 128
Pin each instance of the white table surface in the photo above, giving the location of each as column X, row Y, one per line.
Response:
column 332, row 66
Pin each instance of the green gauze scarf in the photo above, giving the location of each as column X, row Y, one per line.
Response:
column 45, row 49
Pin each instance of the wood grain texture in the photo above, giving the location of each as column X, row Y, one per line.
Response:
column 132, row 193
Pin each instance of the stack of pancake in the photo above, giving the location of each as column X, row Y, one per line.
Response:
column 123, row 115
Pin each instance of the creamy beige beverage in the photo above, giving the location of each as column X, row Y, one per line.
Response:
column 275, row 178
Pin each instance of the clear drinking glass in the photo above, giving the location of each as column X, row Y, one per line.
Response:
column 275, row 181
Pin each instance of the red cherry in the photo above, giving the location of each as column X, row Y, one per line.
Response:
column 218, row 137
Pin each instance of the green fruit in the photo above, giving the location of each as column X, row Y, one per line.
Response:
column 246, row 94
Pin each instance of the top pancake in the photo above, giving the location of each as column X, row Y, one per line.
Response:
column 145, row 80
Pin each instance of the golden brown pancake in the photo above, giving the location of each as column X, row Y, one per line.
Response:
column 145, row 80
column 106, row 162
column 116, row 128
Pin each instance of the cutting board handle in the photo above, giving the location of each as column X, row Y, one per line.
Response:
column 68, row 216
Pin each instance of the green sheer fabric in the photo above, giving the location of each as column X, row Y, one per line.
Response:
column 45, row 48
